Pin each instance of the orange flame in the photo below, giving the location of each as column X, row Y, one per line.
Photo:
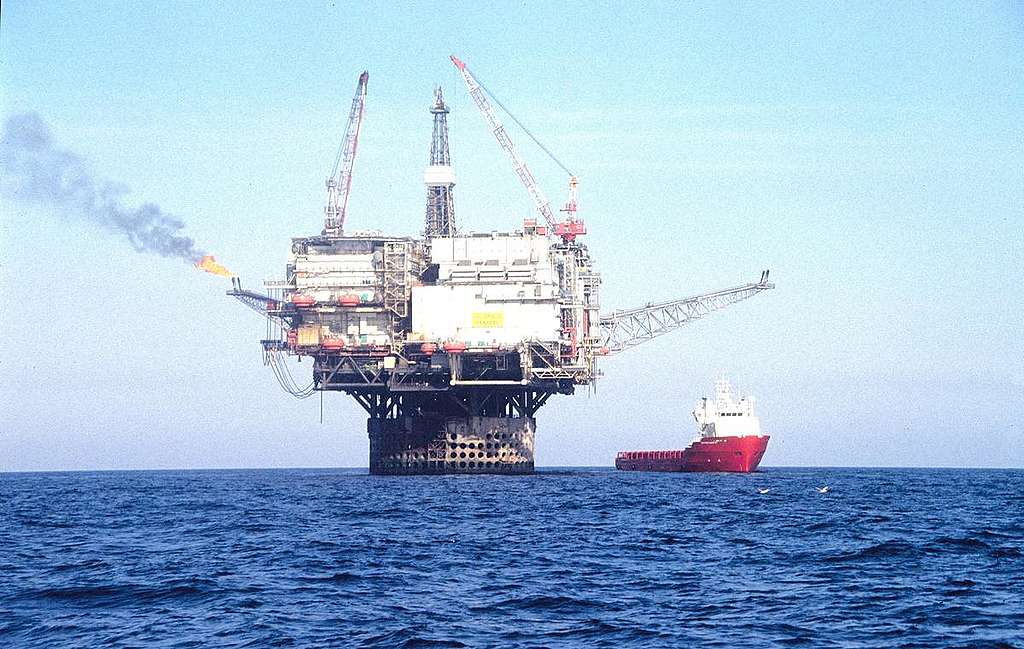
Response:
column 210, row 265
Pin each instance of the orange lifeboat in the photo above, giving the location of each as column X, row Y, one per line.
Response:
column 428, row 348
column 455, row 347
column 349, row 299
column 333, row 343
column 301, row 299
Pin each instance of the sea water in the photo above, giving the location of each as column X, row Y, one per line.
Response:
column 563, row 558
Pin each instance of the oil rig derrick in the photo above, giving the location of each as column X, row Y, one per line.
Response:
column 439, row 177
column 451, row 342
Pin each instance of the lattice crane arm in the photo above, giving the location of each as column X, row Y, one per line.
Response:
column 264, row 305
column 498, row 130
column 340, row 181
column 623, row 329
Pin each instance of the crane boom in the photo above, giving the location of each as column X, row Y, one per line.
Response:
column 340, row 181
column 265, row 305
column 498, row 130
column 623, row 329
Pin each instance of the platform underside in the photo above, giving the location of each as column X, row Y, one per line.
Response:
column 432, row 446
column 435, row 413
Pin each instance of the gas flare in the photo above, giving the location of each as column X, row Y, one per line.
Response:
column 210, row 265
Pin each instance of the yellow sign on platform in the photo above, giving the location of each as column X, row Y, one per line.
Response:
column 488, row 319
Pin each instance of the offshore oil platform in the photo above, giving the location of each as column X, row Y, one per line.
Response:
column 451, row 341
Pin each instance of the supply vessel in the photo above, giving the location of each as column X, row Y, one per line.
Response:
column 728, row 439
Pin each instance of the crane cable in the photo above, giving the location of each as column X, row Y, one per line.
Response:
column 337, row 158
column 520, row 124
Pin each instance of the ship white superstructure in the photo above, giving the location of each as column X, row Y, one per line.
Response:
column 726, row 415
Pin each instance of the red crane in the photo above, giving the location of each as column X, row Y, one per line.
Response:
column 568, row 229
column 340, row 180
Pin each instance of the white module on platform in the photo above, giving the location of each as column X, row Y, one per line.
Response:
column 492, row 289
column 472, row 315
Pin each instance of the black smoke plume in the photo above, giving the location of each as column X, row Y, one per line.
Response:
column 34, row 170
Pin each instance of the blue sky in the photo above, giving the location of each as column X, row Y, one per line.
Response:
column 869, row 154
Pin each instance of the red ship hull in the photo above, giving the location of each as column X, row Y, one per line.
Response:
column 732, row 454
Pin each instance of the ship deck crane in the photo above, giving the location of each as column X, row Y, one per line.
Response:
column 569, row 229
column 340, row 181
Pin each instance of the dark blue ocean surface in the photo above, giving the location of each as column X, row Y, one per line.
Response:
column 888, row 558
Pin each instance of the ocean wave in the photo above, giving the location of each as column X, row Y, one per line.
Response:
column 958, row 544
column 121, row 594
column 886, row 550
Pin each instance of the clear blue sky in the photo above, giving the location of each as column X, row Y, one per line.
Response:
column 869, row 154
